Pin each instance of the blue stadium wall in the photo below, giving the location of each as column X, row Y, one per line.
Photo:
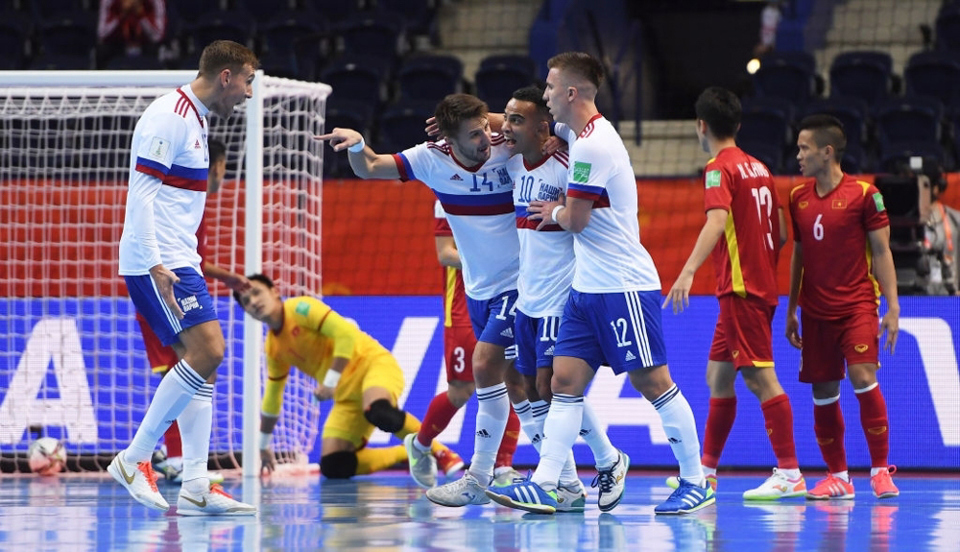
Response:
column 920, row 381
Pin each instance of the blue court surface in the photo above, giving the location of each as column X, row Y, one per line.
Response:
column 388, row 512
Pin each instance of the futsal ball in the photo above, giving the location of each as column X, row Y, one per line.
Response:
column 46, row 456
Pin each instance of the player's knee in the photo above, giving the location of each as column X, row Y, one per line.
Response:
column 339, row 465
column 385, row 416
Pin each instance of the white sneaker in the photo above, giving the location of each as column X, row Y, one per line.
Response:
column 423, row 466
column 140, row 482
column 507, row 477
column 611, row 482
column 571, row 497
column 463, row 491
column 213, row 502
column 777, row 486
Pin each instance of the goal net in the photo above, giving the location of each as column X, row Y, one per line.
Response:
column 72, row 362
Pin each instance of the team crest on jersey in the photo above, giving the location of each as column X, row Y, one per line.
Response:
column 878, row 200
column 504, row 175
column 303, row 308
column 803, row 204
column 839, row 203
column 581, row 172
column 713, row 179
column 861, row 348
column 736, row 353
column 158, row 148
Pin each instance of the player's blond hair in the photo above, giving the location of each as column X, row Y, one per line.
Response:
column 225, row 54
column 455, row 109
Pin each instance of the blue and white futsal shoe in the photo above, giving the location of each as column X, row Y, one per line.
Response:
column 525, row 495
column 688, row 498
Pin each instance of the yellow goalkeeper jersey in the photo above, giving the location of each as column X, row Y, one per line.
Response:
column 311, row 336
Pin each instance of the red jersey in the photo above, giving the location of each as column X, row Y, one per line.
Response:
column 454, row 297
column 745, row 260
column 837, row 278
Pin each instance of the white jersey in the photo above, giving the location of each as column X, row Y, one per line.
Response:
column 610, row 258
column 546, row 256
column 167, row 186
column 479, row 205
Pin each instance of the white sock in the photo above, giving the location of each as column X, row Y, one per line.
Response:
column 172, row 396
column 875, row 471
column 605, row 454
column 709, row 471
column 195, row 422
column 538, row 415
column 492, row 413
column 532, row 427
column 845, row 475
column 560, row 432
column 681, row 430
column 791, row 474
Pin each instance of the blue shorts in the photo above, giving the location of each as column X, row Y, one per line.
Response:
column 191, row 293
column 622, row 330
column 536, row 339
column 492, row 319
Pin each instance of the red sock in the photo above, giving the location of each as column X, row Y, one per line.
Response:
column 508, row 445
column 720, row 419
column 778, row 418
column 873, row 417
column 439, row 414
column 172, row 439
column 828, row 426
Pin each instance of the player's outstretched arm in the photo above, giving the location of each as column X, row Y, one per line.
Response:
column 365, row 162
column 710, row 234
column 447, row 253
column 886, row 274
column 796, row 272
column 236, row 282
column 268, row 461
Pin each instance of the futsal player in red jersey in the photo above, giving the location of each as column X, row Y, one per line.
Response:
column 458, row 344
column 743, row 234
column 841, row 253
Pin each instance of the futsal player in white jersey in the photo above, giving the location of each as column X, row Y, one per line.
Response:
column 161, row 266
column 546, row 273
column 467, row 173
column 613, row 313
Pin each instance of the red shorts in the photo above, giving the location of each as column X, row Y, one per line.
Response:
column 743, row 334
column 161, row 358
column 827, row 343
column 458, row 344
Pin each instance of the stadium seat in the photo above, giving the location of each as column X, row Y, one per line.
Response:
column 788, row 75
column 911, row 119
column 500, row 75
column 237, row 26
column 948, row 28
column 419, row 16
column 372, row 34
column 67, row 36
column 332, row 10
column 292, row 43
column 45, row 10
column 401, row 125
column 896, row 157
column 129, row 63
column 429, row 77
column 16, row 29
column 864, row 75
column 190, row 11
column 360, row 78
column 852, row 112
column 934, row 74
column 765, row 130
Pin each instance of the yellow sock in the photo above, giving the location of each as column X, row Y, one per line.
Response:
column 370, row 460
column 410, row 425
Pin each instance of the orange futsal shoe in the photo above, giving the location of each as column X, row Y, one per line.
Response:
column 448, row 462
column 882, row 483
column 831, row 487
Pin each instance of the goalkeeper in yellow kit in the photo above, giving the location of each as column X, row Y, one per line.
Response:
column 352, row 368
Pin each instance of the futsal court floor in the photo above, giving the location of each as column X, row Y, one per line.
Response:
column 388, row 512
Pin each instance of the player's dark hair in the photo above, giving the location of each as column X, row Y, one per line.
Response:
column 580, row 64
column 457, row 108
column 534, row 95
column 720, row 109
column 262, row 278
column 225, row 54
column 217, row 149
column 827, row 131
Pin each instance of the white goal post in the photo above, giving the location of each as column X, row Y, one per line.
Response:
column 72, row 365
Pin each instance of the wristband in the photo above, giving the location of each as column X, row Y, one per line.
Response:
column 358, row 147
column 265, row 439
column 331, row 379
column 556, row 211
